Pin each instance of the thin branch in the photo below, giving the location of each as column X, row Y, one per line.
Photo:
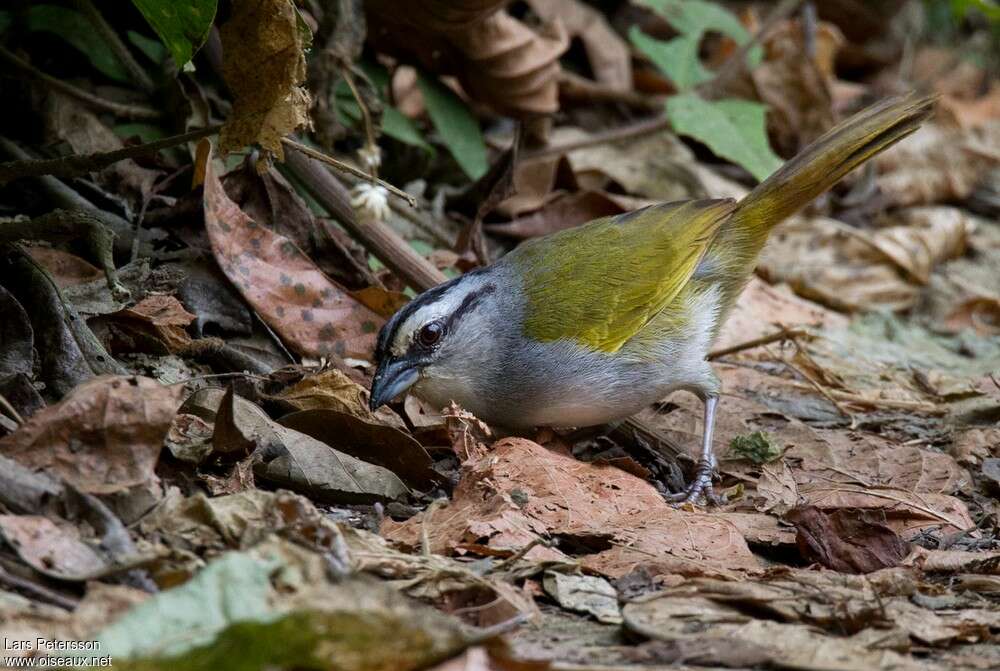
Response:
column 78, row 164
column 784, row 334
column 135, row 112
column 348, row 168
column 631, row 131
column 737, row 62
column 110, row 37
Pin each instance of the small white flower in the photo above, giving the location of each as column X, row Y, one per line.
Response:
column 371, row 157
column 372, row 198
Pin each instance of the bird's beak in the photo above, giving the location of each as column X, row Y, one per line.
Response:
column 392, row 378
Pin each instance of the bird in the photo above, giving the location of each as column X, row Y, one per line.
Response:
column 589, row 325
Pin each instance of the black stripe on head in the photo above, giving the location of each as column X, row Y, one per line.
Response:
column 388, row 332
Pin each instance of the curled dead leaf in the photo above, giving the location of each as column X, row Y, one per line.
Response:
column 264, row 66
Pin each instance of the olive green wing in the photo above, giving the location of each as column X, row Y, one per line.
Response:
column 601, row 283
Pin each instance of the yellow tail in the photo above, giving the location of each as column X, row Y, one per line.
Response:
column 824, row 162
column 814, row 170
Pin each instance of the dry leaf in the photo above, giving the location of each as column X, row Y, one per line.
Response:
column 850, row 269
column 103, row 437
column 331, row 389
column 563, row 212
column 609, row 55
column 519, row 491
column 798, row 86
column 498, row 59
column 938, row 164
column 845, row 541
column 67, row 270
column 314, row 315
column 55, row 550
column 981, row 313
column 264, row 65
column 370, row 440
column 156, row 317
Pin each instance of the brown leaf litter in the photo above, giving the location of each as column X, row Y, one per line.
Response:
column 316, row 316
column 520, row 491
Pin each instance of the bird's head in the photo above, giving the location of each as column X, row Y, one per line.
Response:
column 437, row 341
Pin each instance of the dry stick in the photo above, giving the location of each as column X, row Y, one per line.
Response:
column 784, row 334
column 78, row 164
column 347, row 167
column 11, row 410
column 37, row 590
column 574, row 87
column 629, row 132
column 735, row 63
column 135, row 112
column 135, row 71
column 383, row 242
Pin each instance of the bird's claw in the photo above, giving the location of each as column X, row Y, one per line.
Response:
column 701, row 484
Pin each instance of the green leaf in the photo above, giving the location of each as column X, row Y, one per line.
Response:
column 458, row 128
column 759, row 447
column 733, row 129
column 5, row 20
column 76, row 29
column 395, row 124
column 677, row 58
column 152, row 49
column 273, row 608
column 234, row 587
column 183, row 26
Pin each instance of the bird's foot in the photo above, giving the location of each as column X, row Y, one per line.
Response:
column 701, row 484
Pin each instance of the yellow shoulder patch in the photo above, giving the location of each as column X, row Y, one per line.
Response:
column 599, row 284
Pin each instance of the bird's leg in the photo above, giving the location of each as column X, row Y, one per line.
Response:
column 702, row 482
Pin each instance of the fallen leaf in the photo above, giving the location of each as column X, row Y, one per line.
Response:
column 159, row 320
column 607, row 53
column 331, row 389
column 54, row 550
column 314, row 315
column 66, row 269
column 371, row 441
column 189, row 438
column 584, row 594
column 850, row 269
column 16, row 338
column 981, row 313
column 519, row 491
column 264, row 65
column 289, row 615
column 796, row 81
column 845, row 541
column 937, row 164
column 103, row 437
column 563, row 212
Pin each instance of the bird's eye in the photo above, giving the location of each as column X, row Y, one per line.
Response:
column 430, row 334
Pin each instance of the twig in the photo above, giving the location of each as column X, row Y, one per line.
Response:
column 387, row 246
column 348, row 168
column 519, row 555
column 823, row 391
column 366, row 118
column 631, row 131
column 784, row 334
column 11, row 410
column 78, row 164
column 481, row 634
column 735, row 63
column 135, row 112
column 574, row 87
column 110, row 37
column 39, row 591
